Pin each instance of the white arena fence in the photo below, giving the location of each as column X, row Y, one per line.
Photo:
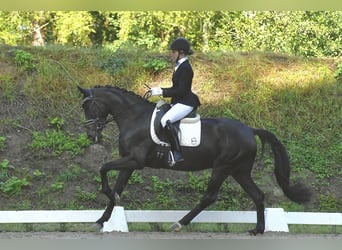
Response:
column 276, row 218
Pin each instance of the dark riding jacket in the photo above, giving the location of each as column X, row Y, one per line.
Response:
column 180, row 92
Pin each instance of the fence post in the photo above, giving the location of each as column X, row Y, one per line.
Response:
column 275, row 220
column 117, row 221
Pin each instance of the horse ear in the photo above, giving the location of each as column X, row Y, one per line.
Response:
column 85, row 92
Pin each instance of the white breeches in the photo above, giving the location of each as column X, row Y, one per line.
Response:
column 176, row 113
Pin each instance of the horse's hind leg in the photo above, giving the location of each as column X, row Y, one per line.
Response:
column 215, row 182
column 247, row 183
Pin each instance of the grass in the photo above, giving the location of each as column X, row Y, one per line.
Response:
column 2, row 143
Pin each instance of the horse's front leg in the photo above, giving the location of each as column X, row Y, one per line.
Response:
column 120, row 184
column 126, row 163
column 127, row 166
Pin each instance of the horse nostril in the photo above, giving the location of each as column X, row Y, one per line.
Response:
column 95, row 138
column 91, row 137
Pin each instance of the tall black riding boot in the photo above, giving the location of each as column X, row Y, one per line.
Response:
column 176, row 155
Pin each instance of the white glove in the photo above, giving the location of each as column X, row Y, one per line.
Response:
column 156, row 91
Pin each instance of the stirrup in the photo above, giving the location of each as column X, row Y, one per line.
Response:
column 171, row 159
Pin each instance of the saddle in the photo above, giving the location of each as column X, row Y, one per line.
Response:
column 189, row 128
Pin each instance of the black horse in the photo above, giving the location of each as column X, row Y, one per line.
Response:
column 227, row 146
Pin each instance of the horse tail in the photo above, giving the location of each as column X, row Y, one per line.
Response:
column 298, row 193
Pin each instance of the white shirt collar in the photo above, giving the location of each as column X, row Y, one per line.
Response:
column 180, row 61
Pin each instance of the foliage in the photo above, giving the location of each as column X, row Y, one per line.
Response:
column 56, row 122
column 2, row 143
column 113, row 65
column 4, row 166
column 307, row 33
column 37, row 173
column 57, row 186
column 155, row 65
column 329, row 203
column 10, row 185
column 13, row 185
column 70, row 174
column 338, row 72
column 164, row 192
column 84, row 195
column 16, row 26
column 74, row 27
column 58, row 141
column 7, row 86
column 136, row 179
column 24, row 60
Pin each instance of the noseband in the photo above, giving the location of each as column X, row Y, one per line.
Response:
column 99, row 123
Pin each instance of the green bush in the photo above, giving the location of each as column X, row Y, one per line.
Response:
column 155, row 65
column 24, row 60
column 113, row 64
column 58, row 142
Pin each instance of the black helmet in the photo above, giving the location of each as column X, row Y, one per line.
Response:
column 182, row 45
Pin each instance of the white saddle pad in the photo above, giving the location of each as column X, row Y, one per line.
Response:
column 189, row 134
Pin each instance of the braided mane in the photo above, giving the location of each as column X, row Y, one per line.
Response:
column 125, row 91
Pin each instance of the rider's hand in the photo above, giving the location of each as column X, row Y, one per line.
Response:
column 155, row 91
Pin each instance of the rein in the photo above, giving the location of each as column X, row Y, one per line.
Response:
column 100, row 123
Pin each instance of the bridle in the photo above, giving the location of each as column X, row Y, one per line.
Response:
column 99, row 123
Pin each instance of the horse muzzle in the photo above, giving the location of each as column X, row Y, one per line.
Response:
column 94, row 129
column 94, row 136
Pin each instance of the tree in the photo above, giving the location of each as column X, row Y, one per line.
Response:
column 74, row 28
column 308, row 33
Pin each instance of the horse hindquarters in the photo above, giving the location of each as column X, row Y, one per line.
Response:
column 243, row 165
column 236, row 152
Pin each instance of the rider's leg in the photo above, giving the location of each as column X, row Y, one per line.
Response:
column 177, row 112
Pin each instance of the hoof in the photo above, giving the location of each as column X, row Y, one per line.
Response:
column 176, row 227
column 255, row 231
column 98, row 226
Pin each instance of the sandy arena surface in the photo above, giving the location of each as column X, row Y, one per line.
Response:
column 160, row 235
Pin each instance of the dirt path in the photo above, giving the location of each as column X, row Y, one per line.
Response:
column 160, row 235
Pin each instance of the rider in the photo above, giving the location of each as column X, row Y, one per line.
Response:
column 183, row 100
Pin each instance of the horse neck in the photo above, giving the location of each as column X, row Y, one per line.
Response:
column 126, row 107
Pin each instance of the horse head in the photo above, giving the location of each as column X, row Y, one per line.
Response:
column 95, row 114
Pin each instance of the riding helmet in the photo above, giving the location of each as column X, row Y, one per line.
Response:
column 181, row 45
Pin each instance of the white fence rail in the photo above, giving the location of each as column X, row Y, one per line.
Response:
column 276, row 218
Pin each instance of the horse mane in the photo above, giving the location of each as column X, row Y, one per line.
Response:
column 125, row 91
